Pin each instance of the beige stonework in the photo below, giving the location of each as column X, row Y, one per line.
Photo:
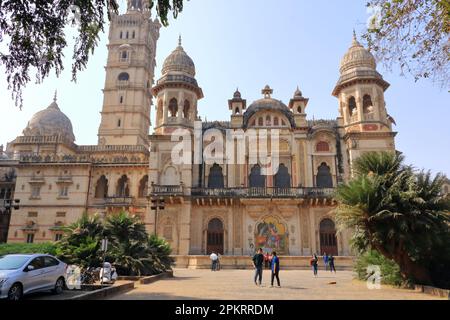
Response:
column 209, row 206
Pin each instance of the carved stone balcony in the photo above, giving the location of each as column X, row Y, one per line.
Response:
column 119, row 201
column 264, row 192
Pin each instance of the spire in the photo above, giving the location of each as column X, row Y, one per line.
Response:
column 179, row 40
column 55, row 96
column 355, row 41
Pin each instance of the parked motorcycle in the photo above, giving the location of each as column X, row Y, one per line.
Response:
column 108, row 273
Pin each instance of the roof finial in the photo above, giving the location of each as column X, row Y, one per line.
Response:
column 55, row 96
column 355, row 38
column 179, row 40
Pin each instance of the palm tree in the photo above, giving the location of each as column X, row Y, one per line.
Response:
column 82, row 242
column 396, row 211
column 128, row 237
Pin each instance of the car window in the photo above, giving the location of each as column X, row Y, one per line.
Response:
column 12, row 262
column 37, row 263
column 50, row 262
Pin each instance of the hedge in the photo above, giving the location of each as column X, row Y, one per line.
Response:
column 44, row 248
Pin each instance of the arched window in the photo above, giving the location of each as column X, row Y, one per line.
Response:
column 170, row 177
column 119, row 123
column 367, row 104
column 101, row 188
column 134, row 34
column 121, row 34
column 352, row 105
column 121, row 99
column 283, row 123
column 322, row 146
column 143, row 187
column 256, row 179
column 268, row 121
column 215, row 178
column 324, row 178
column 124, row 76
column 124, row 56
column 123, row 188
column 299, row 109
column 127, row 34
column 186, row 108
column 276, row 121
column 236, row 111
column 173, row 107
column 260, row 122
column 282, row 177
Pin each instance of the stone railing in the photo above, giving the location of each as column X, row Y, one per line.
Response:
column 118, row 201
column 166, row 190
column 113, row 148
column 264, row 192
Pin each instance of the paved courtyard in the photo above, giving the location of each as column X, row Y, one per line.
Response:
column 238, row 285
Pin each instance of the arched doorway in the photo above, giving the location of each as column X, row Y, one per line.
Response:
column 328, row 241
column 282, row 177
column 214, row 237
column 256, row 179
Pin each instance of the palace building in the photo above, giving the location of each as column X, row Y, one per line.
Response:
column 210, row 205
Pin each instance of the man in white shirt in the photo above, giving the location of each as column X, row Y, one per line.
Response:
column 213, row 258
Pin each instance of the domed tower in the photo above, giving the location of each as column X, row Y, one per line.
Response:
column 360, row 90
column 48, row 133
column 129, row 77
column 176, row 93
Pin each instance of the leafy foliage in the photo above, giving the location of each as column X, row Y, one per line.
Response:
column 415, row 34
column 130, row 249
column 400, row 213
column 34, row 31
column 390, row 271
column 82, row 242
column 12, row 248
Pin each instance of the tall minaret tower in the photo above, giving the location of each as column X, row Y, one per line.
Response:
column 129, row 77
column 363, row 120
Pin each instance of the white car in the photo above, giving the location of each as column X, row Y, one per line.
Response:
column 21, row 274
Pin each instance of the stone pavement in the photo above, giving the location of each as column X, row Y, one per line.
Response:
column 238, row 285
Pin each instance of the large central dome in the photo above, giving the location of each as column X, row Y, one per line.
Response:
column 179, row 62
column 50, row 122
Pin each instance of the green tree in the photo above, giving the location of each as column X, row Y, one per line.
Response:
column 400, row 213
column 414, row 34
column 34, row 33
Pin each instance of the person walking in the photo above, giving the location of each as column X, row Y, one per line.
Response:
column 314, row 264
column 331, row 264
column 258, row 262
column 275, row 266
column 218, row 262
column 214, row 259
column 325, row 260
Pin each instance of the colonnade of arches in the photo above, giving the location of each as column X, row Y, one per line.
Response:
column 122, row 187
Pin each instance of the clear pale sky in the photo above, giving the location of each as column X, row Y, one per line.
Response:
column 249, row 44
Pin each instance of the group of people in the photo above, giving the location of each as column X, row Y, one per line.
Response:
column 328, row 261
column 273, row 262
column 258, row 262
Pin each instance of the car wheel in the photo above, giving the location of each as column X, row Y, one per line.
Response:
column 59, row 286
column 15, row 293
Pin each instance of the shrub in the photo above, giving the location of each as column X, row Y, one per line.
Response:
column 11, row 248
column 390, row 271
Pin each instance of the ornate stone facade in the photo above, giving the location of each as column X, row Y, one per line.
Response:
column 211, row 205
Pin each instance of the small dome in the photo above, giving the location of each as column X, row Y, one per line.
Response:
column 50, row 122
column 237, row 94
column 269, row 104
column 178, row 61
column 357, row 57
column 298, row 93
